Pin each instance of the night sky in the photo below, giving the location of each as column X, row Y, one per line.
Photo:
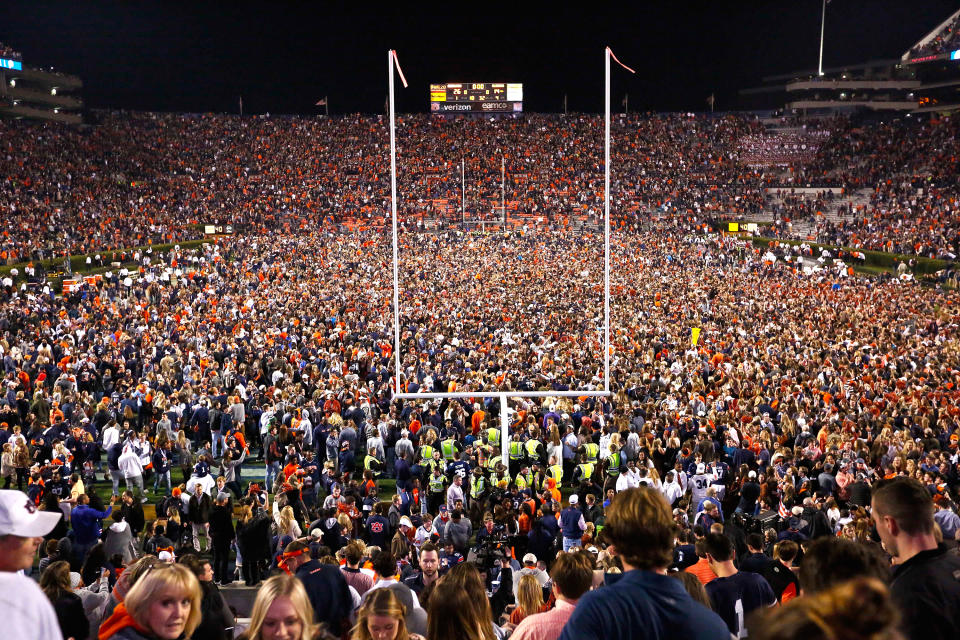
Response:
column 282, row 57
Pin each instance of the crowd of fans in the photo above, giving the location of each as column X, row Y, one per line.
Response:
column 945, row 41
column 136, row 179
column 803, row 390
column 9, row 53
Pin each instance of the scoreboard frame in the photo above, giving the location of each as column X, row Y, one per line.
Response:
column 484, row 97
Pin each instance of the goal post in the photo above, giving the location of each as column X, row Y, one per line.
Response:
column 393, row 62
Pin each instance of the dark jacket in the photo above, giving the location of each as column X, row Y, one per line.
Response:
column 198, row 511
column 221, row 524
column 329, row 594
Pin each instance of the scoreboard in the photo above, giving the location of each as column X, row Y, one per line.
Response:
column 488, row 97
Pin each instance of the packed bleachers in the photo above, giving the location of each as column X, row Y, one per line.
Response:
column 243, row 391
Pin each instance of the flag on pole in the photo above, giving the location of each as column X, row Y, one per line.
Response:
column 782, row 510
column 322, row 101
column 695, row 335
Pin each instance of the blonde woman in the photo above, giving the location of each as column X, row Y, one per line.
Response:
column 281, row 611
column 529, row 599
column 164, row 604
column 382, row 617
column 287, row 524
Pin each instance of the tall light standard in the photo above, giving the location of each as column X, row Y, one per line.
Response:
column 823, row 22
column 463, row 192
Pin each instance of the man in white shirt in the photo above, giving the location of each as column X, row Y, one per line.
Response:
column 671, row 489
column 629, row 478
column 27, row 612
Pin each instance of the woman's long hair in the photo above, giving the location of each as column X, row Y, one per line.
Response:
column 459, row 607
column 55, row 580
column 529, row 595
column 282, row 586
column 381, row 602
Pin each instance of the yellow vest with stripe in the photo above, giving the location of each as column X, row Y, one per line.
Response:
column 586, row 470
column 613, row 465
column 516, row 450
column 426, row 453
column 447, row 448
column 493, row 437
column 478, row 485
column 435, row 484
column 368, row 462
column 555, row 472
column 523, row 481
column 531, row 447
column 593, row 450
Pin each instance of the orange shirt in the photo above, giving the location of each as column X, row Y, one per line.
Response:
column 702, row 570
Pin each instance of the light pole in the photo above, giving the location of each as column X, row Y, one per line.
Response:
column 823, row 22
column 463, row 192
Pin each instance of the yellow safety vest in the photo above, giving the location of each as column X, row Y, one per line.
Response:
column 593, row 451
column 556, row 472
column 493, row 437
column 436, row 484
column 531, row 446
column 446, row 448
column 586, row 471
column 524, row 481
column 477, row 486
column 426, row 453
column 613, row 465
column 516, row 450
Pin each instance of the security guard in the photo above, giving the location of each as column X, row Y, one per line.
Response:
column 372, row 463
column 591, row 451
column 539, row 479
column 614, row 466
column 584, row 471
column 524, row 479
column 478, row 486
column 515, row 453
column 436, row 490
column 448, row 446
column 493, row 437
column 426, row 451
column 555, row 471
column 534, row 449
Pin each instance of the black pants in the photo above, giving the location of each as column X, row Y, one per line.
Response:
column 251, row 571
column 221, row 558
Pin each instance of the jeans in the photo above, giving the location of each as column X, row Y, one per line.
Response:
column 136, row 481
column 570, row 543
column 116, row 477
column 217, row 442
column 165, row 476
column 273, row 469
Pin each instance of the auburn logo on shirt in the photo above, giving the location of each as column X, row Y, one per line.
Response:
column 376, row 527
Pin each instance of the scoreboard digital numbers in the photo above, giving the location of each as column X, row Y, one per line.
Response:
column 485, row 97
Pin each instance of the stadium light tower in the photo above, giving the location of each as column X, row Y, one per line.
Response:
column 823, row 22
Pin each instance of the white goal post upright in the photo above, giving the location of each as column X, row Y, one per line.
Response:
column 502, row 395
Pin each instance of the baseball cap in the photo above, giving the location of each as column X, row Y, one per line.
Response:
column 574, row 499
column 19, row 516
column 405, row 522
column 529, row 559
column 701, row 468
